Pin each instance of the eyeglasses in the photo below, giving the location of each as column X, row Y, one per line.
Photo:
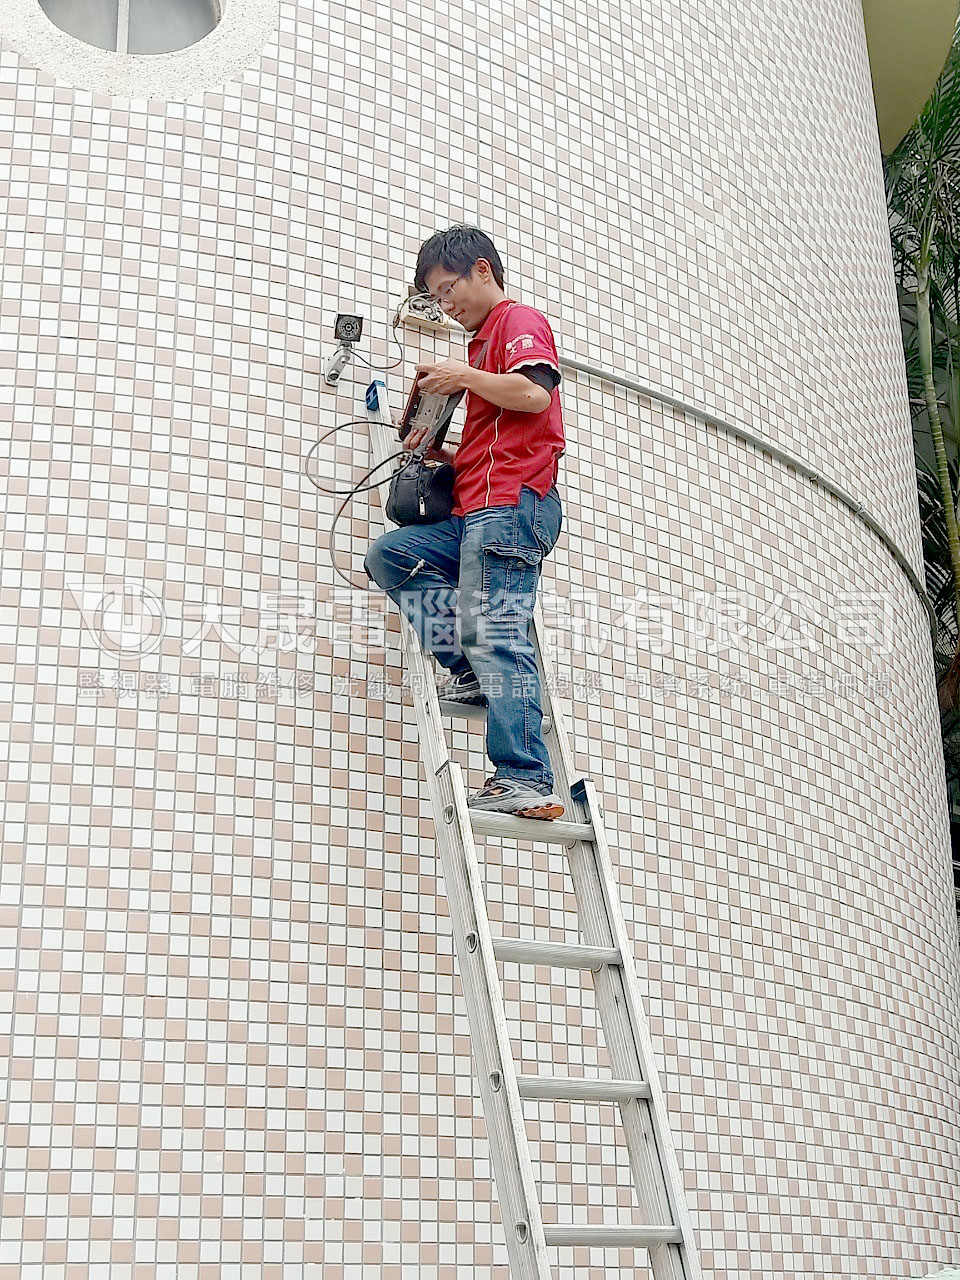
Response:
column 444, row 294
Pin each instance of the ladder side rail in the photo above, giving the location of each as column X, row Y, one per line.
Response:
column 493, row 1052
column 669, row 1263
column 649, row 1174
column 433, row 740
column 654, row 1165
column 490, row 1042
column 596, row 923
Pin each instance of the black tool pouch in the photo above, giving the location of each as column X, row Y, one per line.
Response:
column 421, row 491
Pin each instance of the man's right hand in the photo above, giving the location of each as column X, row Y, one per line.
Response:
column 415, row 437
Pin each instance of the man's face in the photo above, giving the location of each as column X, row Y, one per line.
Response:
column 467, row 298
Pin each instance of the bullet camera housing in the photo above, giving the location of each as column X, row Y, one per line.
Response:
column 335, row 365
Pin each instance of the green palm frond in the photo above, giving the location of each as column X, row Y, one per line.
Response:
column 923, row 195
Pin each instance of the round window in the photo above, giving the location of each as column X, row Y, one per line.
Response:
column 135, row 26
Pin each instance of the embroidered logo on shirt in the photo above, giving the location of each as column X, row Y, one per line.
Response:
column 524, row 341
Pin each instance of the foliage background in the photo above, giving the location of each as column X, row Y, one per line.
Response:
column 923, row 196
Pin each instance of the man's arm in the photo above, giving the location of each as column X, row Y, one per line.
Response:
column 505, row 390
column 509, row 391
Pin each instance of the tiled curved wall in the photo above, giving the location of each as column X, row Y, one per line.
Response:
column 236, row 1039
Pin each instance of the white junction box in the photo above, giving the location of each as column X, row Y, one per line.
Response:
column 418, row 312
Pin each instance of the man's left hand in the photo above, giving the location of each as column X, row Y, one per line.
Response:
column 444, row 378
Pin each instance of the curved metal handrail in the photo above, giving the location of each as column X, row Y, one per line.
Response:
column 858, row 508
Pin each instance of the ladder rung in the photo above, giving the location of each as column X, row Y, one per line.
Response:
column 567, row 1089
column 556, row 831
column 624, row 1237
column 466, row 710
column 472, row 711
column 562, row 955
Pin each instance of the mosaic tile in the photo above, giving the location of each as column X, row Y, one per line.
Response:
column 233, row 1036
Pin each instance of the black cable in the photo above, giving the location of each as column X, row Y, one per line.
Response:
column 388, row 367
column 360, row 487
column 396, row 325
column 364, row 586
column 350, row 422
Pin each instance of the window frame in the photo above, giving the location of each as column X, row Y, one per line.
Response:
column 121, row 39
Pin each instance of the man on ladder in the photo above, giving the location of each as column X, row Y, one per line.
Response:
column 506, row 517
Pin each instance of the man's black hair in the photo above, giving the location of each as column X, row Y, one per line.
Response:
column 456, row 249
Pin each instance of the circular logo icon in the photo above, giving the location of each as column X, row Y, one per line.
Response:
column 129, row 621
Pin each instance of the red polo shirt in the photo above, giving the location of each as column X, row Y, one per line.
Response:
column 502, row 449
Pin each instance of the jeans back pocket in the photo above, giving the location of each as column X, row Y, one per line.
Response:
column 547, row 519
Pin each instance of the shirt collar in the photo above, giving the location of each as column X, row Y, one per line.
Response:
column 484, row 330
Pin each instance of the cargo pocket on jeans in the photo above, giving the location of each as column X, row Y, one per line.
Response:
column 509, row 586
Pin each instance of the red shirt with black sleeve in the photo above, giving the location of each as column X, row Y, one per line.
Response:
column 502, row 449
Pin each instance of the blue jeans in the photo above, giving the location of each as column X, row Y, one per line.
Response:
column 481, row 571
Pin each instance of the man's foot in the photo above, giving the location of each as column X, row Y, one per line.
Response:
column 465, row 688
column 509, row 795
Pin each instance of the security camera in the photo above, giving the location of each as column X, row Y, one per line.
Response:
column 346, row 330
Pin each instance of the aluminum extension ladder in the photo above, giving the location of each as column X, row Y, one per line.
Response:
column 666, row 1231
